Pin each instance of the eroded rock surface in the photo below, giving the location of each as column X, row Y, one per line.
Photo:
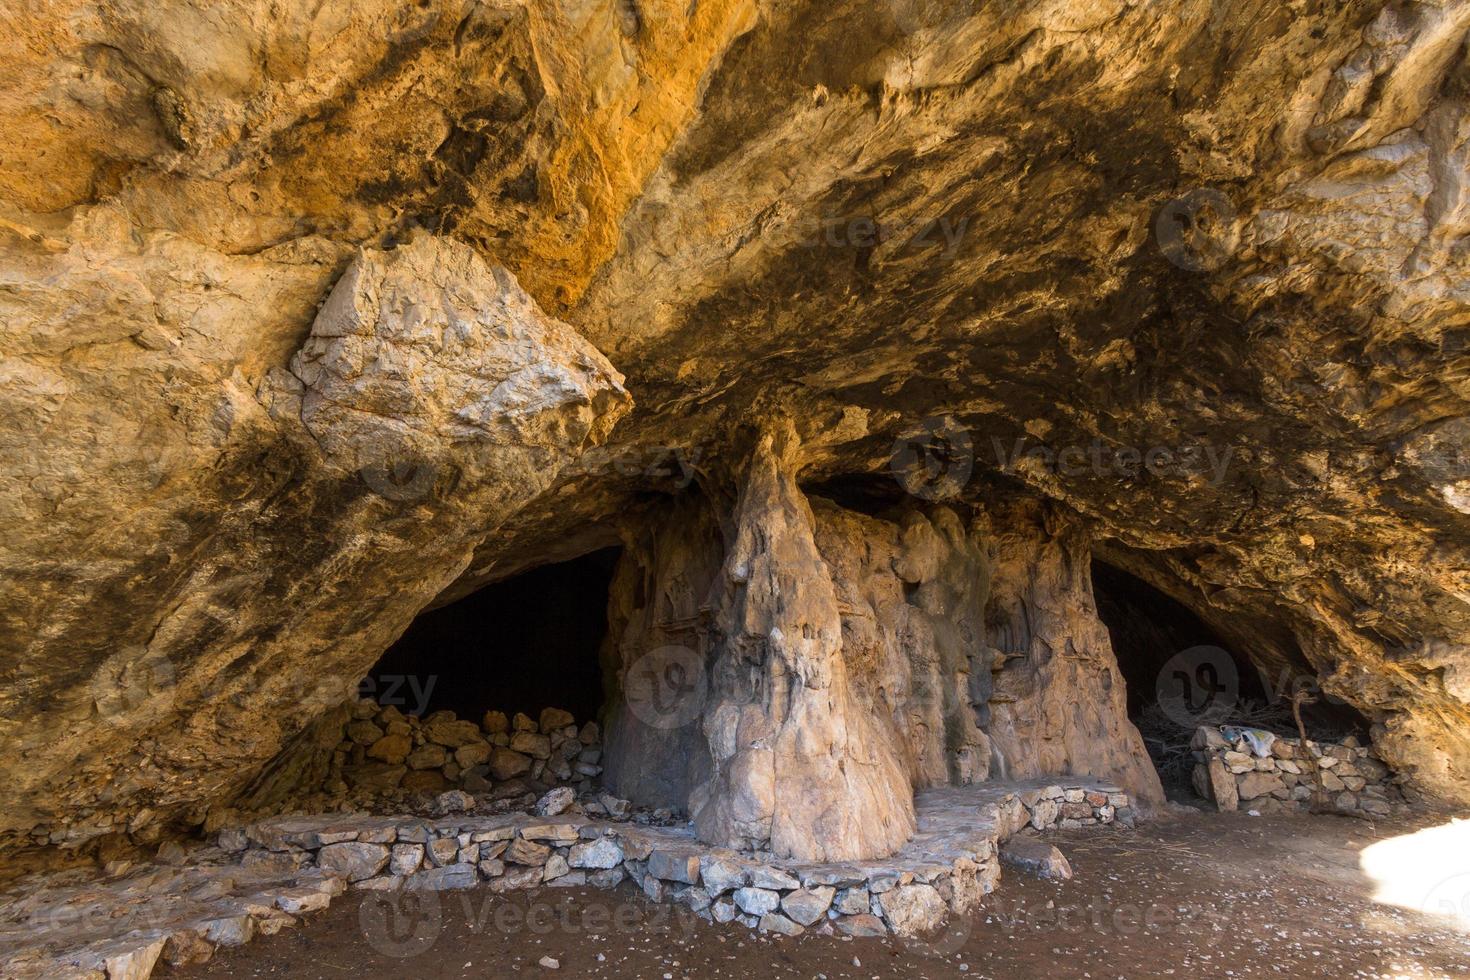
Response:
column 1234, row 229
column 298, row 529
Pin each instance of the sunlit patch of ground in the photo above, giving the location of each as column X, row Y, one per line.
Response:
column 1426, row 870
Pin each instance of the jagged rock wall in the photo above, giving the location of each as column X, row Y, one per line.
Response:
column 1059, row 703
column 912, row 593
column 292, row 532
column 819, row 664
column 657, row 646
column 860, row 215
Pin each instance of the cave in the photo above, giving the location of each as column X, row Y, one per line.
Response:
column 521, row 644
column 1181, row 673
column 491, row 445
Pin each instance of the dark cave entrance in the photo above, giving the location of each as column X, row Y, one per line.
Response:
column 527, row 643
column 1180, row 673
column 1165, row 649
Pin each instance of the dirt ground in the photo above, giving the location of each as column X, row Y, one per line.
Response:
column 1200, row 895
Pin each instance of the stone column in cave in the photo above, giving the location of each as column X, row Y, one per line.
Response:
column 796, row 764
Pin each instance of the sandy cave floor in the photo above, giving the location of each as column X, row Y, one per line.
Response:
column 1202, row 895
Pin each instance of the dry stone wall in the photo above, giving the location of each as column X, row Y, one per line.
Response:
column 1240, row 769
column 376, row 757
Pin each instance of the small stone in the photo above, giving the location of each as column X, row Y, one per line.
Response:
column 806, row 905
column 554, row 718
column 862, row 926
column 517, row 877
column 1239, row 762
column 495, row 723
column 550, row 963
column 454, row 801
column 556, row 802
column 757, row 901
column 443, row 851
column 451, row 878
column 616, row 807
column 852, row 901
column 531, row 744
column 1253, row 785
column 353, row 860
column 589, row 734
column 507, row 764
column 522, row 851
column 406, row 858
column 229, row 930
column 1036, row 857
column 427, row 757
column 556, row 867
column 451, row 732
column 523, row 722
column 392, row 749
column 680, row 866
column 765, row 876
column 721, row 874
column 609, row 878
column 776, row 922
column 602, row 853
column 474, row 754
column 913, row 909
column 363, row 732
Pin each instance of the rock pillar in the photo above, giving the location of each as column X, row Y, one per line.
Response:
column 797, row 764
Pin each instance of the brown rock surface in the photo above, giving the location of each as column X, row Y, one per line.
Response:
column 250, row 440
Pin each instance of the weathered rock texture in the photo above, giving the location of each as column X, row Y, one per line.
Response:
column 799, row 765
column 291, row 531
column 816, row 665
column 1233, row 227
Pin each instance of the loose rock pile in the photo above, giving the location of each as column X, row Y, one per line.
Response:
column 1267, row 773
column 388, row 756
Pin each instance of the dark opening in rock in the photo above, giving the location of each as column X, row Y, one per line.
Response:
column 524, row 644
column 1181, row 674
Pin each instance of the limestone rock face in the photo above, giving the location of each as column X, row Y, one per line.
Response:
column 718, row 645
column 307, row 523
column 1226, row 238
column 1059, row 702
column 912, row 593
column 798, row 765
